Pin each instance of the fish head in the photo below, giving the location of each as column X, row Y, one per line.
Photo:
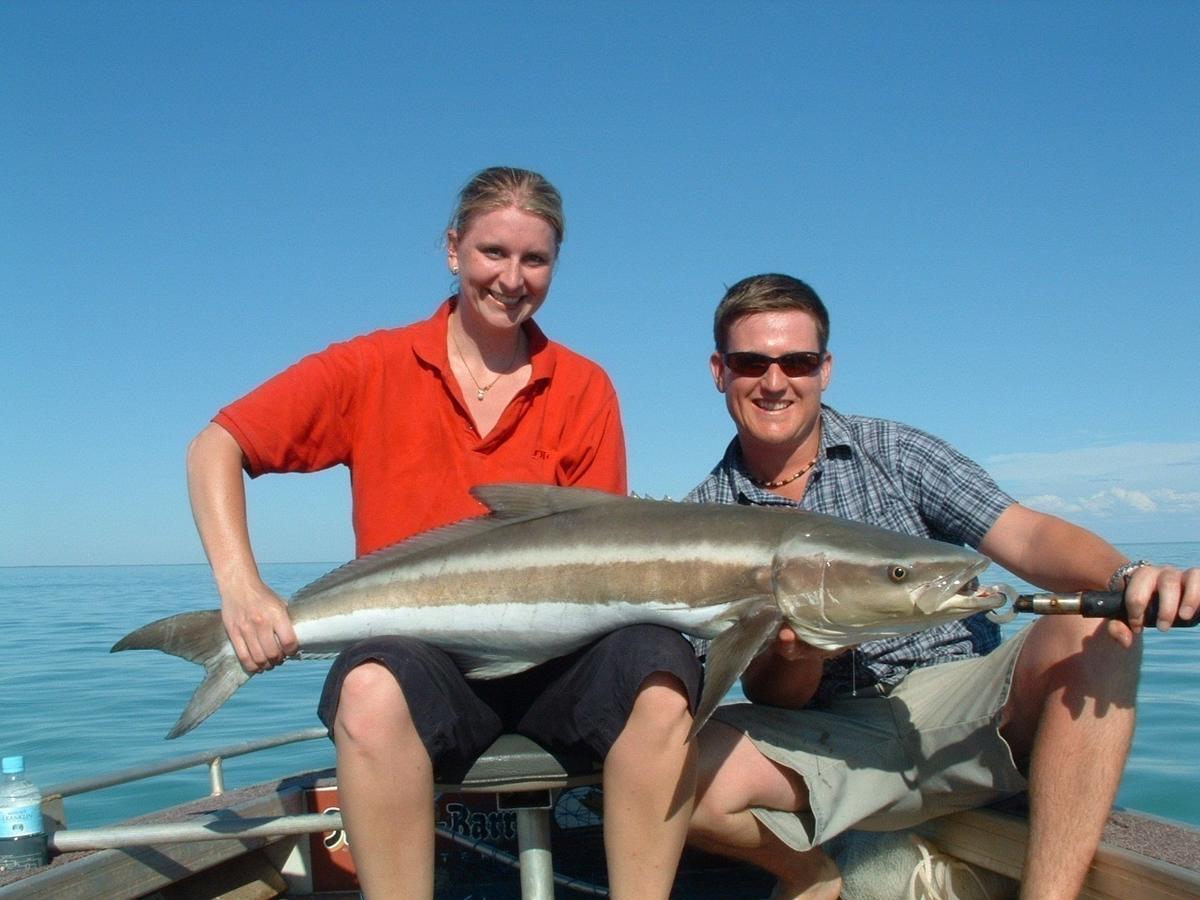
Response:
column 841, row 583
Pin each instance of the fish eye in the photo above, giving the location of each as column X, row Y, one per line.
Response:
column 897, row 573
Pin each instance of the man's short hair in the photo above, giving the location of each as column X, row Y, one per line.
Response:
column 769, row 293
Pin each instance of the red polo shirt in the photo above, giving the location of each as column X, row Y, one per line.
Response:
column 386, row 405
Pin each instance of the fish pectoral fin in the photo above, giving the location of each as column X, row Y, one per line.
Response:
column 730, row 652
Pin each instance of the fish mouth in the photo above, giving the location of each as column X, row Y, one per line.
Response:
column 972, row 596
column 989, row 597
column 953, row 593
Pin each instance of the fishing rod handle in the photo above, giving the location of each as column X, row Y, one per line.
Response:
column 1094, row 605
column 1111, row 605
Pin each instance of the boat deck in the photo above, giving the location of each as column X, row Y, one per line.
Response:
column 212, row 868
column 1141, row 856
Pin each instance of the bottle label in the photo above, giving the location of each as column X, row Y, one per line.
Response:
column 23, row 853
column 20, row 821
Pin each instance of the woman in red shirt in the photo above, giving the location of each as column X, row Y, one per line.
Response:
column 420, row 414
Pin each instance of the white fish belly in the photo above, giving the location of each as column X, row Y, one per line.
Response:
column 492, row 640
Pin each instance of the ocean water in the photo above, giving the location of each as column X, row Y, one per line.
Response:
column 74, row 710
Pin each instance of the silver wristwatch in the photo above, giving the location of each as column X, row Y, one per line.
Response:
column 1117, row 582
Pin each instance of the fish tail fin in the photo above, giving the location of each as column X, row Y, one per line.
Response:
column 198, row 637
column 221, row 678
column 730, row 653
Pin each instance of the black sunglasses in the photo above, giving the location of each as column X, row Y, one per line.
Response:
column 755, row 365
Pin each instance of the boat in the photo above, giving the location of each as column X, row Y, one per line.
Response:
column 522, row 823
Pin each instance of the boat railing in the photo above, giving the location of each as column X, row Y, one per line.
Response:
column 513, row 766
column 62, row 839
column 214, row 758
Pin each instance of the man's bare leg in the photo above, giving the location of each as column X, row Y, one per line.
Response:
column 733, row 777
column 385, row 785
column 1070, row 722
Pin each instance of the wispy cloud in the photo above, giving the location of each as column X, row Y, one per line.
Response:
column 1126, row 488
column 1119, row 501
column 1161, row 465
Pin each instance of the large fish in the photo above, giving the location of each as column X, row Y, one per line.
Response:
column 551, row 569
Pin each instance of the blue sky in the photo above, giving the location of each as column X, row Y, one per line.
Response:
column 1000, row 203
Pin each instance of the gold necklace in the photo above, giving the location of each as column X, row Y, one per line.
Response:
column 482, row 389
column 789, row 479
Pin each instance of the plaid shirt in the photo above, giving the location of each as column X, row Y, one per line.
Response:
column 893, row 476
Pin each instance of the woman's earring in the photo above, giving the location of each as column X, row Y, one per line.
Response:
column 454, row 270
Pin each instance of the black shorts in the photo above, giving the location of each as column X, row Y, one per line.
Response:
column 577, row 704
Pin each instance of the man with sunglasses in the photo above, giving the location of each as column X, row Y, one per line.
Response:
column 898, row 731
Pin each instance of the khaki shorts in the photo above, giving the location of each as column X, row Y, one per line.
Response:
column 931, row 747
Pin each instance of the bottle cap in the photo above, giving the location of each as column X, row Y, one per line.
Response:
column 13, row 765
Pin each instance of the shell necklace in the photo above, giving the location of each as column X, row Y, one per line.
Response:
column 482, row 389
column 782, row 481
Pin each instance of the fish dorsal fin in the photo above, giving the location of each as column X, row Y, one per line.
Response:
column 533, row 501
column 508, row 504
column 389, row 556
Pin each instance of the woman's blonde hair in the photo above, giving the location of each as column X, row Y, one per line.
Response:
column 500, row 187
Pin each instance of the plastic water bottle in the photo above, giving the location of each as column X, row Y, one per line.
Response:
column 22, row 838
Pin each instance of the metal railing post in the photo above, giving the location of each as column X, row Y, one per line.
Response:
column 216, row 776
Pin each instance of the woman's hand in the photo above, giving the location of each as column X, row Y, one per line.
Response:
column 257, row 622
column 254, row 616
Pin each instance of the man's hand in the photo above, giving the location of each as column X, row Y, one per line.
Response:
column 788, row 645
column 1178, row 594
column 787, row 673
column 258, row 625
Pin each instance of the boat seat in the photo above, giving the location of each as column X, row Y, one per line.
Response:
column 515, row 763
column 526, row 779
